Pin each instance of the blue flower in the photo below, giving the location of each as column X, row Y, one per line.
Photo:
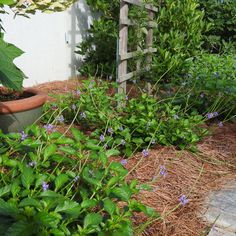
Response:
column 32, row 163
column 60, row 119
column 220, row 124
column 163, row 171
column 121, row 128
column 145, row 152
column 102, row 138
column 49, row 127
column 45, row 186
column 83, row 115
column 123, row 162
column 23, row 135
column 183, row 200
column 78, row 92
column 76, row 178
column 110, row 131
column 122, row 142
column 73, row 107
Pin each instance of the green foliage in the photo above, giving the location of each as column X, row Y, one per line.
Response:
column 211, row 84
column 144, row 121
column 44, row 190
column 220, row 14
column 177, row 37
column 10, row 75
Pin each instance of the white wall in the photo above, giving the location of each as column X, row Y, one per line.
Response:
column 49, row 42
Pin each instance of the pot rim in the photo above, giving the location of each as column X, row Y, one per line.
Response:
column 24, row 104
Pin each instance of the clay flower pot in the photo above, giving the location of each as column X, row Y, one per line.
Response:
column 18, row 114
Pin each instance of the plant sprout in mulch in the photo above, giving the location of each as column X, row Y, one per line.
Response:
column 178, row 180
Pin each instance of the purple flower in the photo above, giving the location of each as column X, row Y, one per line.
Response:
column 110, row 131
column 215, row 113
column 220, row 124
column 49, row 127
column 209, row 115
column 123, row 162
column 163, row 171
column 60, row 119
column 183, row 200
column 126, row 98
column 122, row 142
column 145, row 152
column 23, row 135
column 45, row 186
column 121, row 128
column 76, row 178
column 32, row 163
column 202, row 95
column 176, row 117
column 83, row 115
column 102, row 138
column 78, row 92
column 153, row 141
column 73, row 107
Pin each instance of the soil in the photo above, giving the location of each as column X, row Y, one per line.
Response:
column 191, row 174
column 9, row 95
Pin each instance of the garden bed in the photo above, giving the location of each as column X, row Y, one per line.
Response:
column 193, row 175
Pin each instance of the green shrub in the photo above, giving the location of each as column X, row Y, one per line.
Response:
column 222, row 33
column 55, row 185
column 142, row 123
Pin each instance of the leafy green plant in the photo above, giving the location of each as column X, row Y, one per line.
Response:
column 10, row 75
column 142, row 123
column 221, row 35
column 54, row 185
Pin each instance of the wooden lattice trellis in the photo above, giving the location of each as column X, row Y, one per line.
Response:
column 123, row 54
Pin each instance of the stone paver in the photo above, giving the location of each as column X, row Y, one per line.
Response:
column 221, row 210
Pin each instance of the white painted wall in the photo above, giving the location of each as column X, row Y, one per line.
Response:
column 49, row 42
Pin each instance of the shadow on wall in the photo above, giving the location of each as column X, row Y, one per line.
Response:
column 81, row 19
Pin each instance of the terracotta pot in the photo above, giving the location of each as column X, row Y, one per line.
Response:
column 18, row 114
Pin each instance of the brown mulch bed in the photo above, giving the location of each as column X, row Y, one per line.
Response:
column 191, row 174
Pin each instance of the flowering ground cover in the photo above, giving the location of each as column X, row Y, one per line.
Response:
column 172, row 181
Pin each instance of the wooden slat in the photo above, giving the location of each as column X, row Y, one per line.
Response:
column 140, row 3
column 127, row 76
column 126, row 21
column 123, row 46
column 129, row 55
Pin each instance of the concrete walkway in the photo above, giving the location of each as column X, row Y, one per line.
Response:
column 221, row 211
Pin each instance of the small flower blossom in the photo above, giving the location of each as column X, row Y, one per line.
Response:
column 76, row 178
column 153, row 141
column 176, row 117
column 215, row 113
column 49, row 127
column 202, row 95
column 60, row 119
column 23, row 135
column 123, row 162
column 145, row 152
column 121, row 128
column 220, row 124
column 209, row 115
column 102, row 138
column 122, row 142
column 73, row 107
column 110, row 77
column 126, row 98
column 45, row 186
column 183, row 200
column 78, row 92
column 110, row 131
column 163, row 171
column 83, row 115
column 32, row 163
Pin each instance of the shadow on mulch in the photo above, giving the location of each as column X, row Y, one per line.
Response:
column 191, row 174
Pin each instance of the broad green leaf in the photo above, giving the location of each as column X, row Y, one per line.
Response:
column 60, row 181
column 10, row 76
column 123, row 193
column 78, row 135
column 92, row 219
column 4, row 190
column 30, row 202
column 51, row 219
column 88, row 203
column 49, row 151
column 7, row 209
column 109, row 206
column 68, row 150
column 20, row 228
column 27, row 176
column 70, row 208
column 112, row 152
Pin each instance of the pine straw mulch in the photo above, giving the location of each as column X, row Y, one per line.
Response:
column 192, row 174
